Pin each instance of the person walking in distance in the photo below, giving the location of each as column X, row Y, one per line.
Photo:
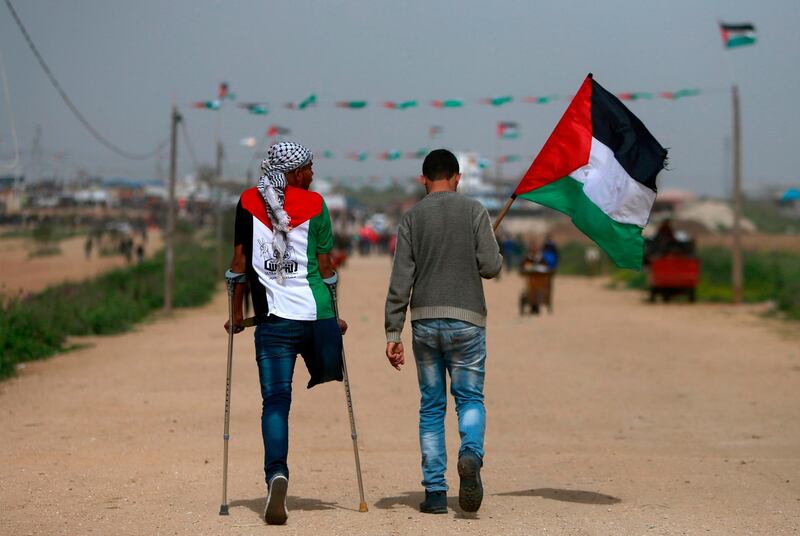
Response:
column 283, row 239
column 445, row 245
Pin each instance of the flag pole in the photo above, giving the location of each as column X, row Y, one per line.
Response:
column 736, row 268
column 503, row 212
column 737, row 277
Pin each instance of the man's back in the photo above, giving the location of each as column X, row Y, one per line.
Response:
column 444, row 246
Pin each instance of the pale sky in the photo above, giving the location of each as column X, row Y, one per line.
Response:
column 124, row 62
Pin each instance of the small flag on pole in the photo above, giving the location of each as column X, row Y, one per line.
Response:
column 599, row 167
column 435, row 131
column 737, row 35
column 508, row 130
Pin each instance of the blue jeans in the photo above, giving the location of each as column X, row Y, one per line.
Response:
column 278, row 341
column 445, row 345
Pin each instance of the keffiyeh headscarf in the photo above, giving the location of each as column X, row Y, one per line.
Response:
column 281, row 158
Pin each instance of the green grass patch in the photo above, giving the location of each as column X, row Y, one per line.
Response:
column 768, row 276
column 37, row 326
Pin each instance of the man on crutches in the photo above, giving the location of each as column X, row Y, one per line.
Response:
column 283, row 239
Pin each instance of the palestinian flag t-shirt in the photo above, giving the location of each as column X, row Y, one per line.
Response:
column 599, row 167
column 303, row 295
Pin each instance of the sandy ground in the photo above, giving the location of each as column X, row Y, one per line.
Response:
column 610, row 416
column 21, row 272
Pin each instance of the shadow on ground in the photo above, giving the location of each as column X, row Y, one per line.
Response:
column 292, row 503
column 411, row 499
column 566, row 495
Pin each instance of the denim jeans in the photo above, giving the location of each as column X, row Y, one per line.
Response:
column 459, row 348
column 278, row 341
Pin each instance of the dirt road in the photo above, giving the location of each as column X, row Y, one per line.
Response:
column 611, row 416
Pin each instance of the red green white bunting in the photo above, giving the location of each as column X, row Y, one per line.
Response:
column 733, row 36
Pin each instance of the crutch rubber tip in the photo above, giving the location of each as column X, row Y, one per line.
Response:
column 223, row 510
column 362, row 507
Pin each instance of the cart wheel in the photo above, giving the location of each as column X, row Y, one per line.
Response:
column 537, row 305
column 692, row 295
column 653, row 295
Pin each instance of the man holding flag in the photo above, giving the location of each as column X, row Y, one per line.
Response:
column 445, row 245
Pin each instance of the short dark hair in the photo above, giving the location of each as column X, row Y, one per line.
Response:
column 440, row 164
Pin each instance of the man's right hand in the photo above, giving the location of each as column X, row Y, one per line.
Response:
column 395, row 354
column 238, row 325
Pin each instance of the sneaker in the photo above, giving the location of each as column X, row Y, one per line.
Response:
column 435, row 502
column 275, row 512
column 470, row 492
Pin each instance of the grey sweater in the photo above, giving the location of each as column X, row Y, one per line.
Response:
column 445, row 244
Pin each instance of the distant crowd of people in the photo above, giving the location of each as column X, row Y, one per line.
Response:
column 124, row 241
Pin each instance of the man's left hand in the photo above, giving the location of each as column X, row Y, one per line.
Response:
column 343, row 326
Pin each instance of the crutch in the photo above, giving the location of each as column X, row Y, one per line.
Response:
column 231, row 279
column 363, row 506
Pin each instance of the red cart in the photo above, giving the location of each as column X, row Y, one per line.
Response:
column 673, row 274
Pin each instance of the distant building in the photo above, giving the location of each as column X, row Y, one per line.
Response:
column 472, row 178
column 11, row 195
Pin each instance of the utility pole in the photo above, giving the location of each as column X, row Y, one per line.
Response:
column 218, row 206
column 736, row 253
column 169, row 242
column 36, row 167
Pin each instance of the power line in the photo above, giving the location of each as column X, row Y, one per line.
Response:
column 99, row 137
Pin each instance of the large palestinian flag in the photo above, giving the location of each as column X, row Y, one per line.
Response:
column 599, row 167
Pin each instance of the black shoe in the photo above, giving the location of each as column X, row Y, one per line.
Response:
column 275, row 512
column 435, row 503
column 470, row 492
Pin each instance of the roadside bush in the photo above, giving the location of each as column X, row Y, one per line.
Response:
column 38, row 326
